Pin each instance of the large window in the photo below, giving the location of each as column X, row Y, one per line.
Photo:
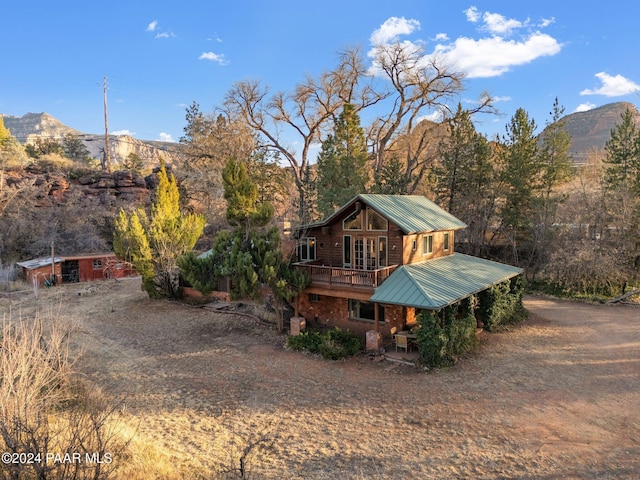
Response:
column 427, row 245
column 346, row 251
column 307, row 249
column 375, row 221
column 353, row 221
column 364, row 311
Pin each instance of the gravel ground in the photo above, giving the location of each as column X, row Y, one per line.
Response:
column 556, row 397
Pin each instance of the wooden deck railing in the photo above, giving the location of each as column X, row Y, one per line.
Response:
column 348, row 277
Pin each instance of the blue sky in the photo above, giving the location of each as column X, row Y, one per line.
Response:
column 159, row 57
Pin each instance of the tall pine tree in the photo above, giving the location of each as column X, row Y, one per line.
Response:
column 465, row 180
column 623, row 155
column 520, row 178
column 342, row 163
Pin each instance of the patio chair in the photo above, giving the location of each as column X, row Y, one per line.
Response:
column 402, row 342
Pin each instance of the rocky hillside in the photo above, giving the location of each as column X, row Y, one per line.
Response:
column 590, row 130
column 34, row 125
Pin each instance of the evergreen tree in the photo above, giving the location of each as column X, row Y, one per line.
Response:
column 11, row 152
column 243, row 206
column 623, row 155
column 5, row 134
column 556, row 169
column 154, row 243
column 520, row 178
column 621, row 195
column 391, row 178
column 342, row 163
column 465, row 179
column 133, row 163
column 74, row 149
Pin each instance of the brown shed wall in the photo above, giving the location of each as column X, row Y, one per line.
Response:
column 42, row 273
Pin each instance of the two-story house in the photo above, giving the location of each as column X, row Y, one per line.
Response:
column 380, row 259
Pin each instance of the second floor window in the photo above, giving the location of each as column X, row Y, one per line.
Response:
column 427, row 245
column 375, row 221
column 445, row 241
column 307, row 249
column 353, row 221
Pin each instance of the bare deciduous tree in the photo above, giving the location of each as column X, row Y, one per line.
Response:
column 306, row 112
column 416, row 84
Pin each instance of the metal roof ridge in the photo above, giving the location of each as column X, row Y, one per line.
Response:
column 415, row 282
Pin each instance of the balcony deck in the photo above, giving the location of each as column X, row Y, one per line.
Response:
column 322, row 275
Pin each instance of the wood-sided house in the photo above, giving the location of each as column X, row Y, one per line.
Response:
column 380, row 259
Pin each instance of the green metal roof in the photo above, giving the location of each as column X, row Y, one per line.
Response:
column 412, row 213
column 434, row 284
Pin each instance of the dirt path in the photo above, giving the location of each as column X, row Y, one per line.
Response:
column 555, row 397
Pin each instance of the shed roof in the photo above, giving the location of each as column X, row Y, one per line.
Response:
column 411, row 213
column 38, row 262
column 436, row 283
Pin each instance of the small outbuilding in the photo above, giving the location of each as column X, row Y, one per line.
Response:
column 75, row 268
column 97, row 266
column 45, row 269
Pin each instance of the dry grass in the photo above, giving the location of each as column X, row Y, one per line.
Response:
column 555, row 397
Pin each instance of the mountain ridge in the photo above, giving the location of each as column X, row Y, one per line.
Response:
column 589, row 132
column 29, row 127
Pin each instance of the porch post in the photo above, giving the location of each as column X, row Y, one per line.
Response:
column 374, row 338
column 376, row 317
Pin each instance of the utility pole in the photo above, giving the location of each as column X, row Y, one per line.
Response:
column 107, row 161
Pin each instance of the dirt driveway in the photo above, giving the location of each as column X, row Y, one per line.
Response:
column 557, row 397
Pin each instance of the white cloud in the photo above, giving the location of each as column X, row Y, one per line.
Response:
column 472, row 14
column 165, row 137
column 214, row 57
column 153, row 27
column 497, row 53
column 123, row 132
column 493, row 54
column 584, row 107
column 435, row 117
column 612, row 86
column 490, row 57
column 545, row 22
column 497, row 24
column 392, row 28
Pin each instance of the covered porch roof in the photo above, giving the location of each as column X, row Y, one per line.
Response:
column 434, row 284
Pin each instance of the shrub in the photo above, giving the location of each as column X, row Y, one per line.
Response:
column 501, row 305
column 432, row 340
column 45, row 408
column 332, row 345
column 309, row 340
column 446, row 334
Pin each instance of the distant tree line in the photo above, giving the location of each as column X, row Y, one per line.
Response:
column 524, row 202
